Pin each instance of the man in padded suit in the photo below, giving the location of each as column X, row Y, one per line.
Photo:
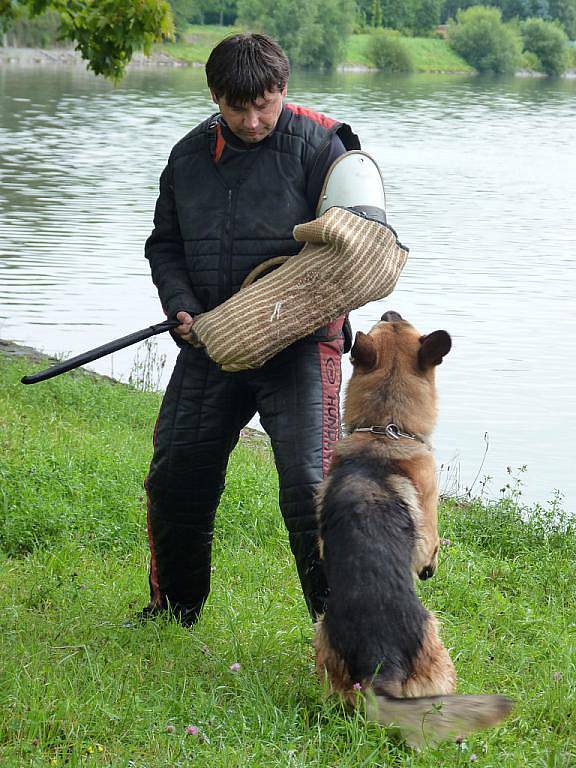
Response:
column 230, row 195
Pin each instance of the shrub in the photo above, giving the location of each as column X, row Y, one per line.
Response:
column 548, row 41
column 531, row 62
column 484, row 41
column 387, row 52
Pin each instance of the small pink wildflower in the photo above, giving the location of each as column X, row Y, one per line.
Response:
column 357, row 687
column 557, row 676
column 192, row 730
column 473, row 757
column 170, row 729
column 235, row 667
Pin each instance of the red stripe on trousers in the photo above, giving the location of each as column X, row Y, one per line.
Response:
column 331, row 372
column 156, row 594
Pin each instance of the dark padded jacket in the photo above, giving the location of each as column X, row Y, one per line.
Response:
column 210, row 232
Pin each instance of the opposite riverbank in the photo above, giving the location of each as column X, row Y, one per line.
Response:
column 428, row 54
column 431, row 56
column 77, row 688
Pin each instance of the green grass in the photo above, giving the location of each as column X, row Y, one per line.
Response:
column 434, row 55
column 196, row 45
column 428, row 54
column 79, row 689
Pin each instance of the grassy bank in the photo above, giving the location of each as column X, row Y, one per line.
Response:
column 195, row 46
column 77, row 688
column 429, row 55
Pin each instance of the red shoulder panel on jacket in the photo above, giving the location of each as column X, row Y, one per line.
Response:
column 318, row 117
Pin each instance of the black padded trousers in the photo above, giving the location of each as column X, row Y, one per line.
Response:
column 297, row 397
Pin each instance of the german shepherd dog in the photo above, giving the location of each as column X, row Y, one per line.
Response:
column 378, row 530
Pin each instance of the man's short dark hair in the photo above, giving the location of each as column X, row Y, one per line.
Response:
column 243, row 67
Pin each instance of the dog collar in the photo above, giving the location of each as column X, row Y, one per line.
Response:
column 391, row 430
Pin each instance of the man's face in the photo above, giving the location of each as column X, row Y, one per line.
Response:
column 253, row 121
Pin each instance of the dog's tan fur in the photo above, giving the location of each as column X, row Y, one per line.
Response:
column 394, row 382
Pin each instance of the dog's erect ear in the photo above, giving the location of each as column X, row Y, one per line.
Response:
column 363, row 352
column 433, row 348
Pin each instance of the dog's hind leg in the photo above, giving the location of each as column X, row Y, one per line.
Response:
column 330, row 666
column 433, row 672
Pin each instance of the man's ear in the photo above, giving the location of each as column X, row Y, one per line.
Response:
column 433, row 348
column 363, row 352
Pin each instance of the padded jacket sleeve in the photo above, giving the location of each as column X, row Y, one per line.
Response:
column 165, row 251
column 322, row 164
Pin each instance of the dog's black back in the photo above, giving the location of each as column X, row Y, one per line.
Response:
column 373, row 619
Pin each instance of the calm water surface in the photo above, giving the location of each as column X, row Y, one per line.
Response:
column 481, row 184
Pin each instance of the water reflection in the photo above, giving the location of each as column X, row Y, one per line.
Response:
column 481, row 181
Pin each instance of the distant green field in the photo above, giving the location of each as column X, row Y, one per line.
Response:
column 434, row 55
column 198, row 42
column 429, row 55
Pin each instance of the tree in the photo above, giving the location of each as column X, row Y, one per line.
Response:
column 397, row 14
column 565, row 12
column 312, row 32
column 376, row 12
column 426, row 16
column 106, row 32
column 548, row 41
column 484, row 41
column 186, row 12
column 451, row 8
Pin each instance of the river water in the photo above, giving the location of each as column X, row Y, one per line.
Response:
column 480, row 180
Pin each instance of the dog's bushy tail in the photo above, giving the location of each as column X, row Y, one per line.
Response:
column 430, row 719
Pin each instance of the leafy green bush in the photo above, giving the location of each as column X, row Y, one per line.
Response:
column 484, row 41
column 387, row 52
column 531, row 62
column 548, row 41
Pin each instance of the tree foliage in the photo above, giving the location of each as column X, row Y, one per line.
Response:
column 396, row 14
column 186, row 12
column 565, row 12
column 312, row 32
column 484, row 41
column 426, row 16
column 106, row 32
column 548, row 41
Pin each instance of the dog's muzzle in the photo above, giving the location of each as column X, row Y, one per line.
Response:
column 391, row 317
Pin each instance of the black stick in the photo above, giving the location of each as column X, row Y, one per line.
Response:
column 105, row 349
